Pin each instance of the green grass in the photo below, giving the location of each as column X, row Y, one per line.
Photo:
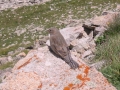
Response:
column 4, row 66
column 51, row 14
column 110, row 51
column 45, row 16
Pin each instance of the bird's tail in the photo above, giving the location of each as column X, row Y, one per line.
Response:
column 73, row 64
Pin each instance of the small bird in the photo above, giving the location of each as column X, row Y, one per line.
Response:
column 60, row 47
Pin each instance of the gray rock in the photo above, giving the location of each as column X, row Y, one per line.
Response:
column 89, row 59
column 88, row 28
column 118, row 7
column 3, row 60
column 5, row 73
column 14, row 4
column 10, row 59
column 16, row 58
column 86, row 54
column 98, row 65
column 32, row 1
column 79, row 49
column 10, row 53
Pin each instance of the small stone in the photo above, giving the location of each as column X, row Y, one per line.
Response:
column 10, row 59
column 3, row 60
column 22, row 54
column 86, row 53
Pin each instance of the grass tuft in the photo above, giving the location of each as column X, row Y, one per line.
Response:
column 110, row 51
column 4, row 66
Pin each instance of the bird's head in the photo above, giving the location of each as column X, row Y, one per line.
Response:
column 52, row 30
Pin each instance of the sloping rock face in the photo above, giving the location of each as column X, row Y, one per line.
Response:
column 41, row 70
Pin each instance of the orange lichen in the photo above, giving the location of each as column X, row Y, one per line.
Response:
column 83, row 78
column 86, row 70
column 24, row 64
column 80, row 77
column 66, row 88
column 40, row 86
column 27, row 62
column 70, row 85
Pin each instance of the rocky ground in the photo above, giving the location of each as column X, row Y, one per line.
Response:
column 82, row 40
column 40, row 65
column 14, row 4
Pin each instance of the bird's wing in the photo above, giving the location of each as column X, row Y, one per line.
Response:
column 58, row 47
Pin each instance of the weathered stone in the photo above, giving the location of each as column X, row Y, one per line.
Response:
column 4, row 73
column 26, row 42
column 22, row 54
column 84, row 43
column 104, row 20
column 89, row 59
column 14, row 4
column 32, row 1
column 98, row 30
column 79, row 49
column 38, row 71
column 10, row 59
column 88, row 29
column 10, row 53
column 3, row 60
column 118, row 7
column 86, row 53
column 98, row 65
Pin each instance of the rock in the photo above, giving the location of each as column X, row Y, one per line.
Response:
column 36, row 44
column 79, row 45
column 3, row 60
column 32, row 1
column 43, row 40
column 5, row 73
column 118, row 7
column 22, row 54
column 105, row 19
column 89, row 59
column 10, row 53
column 26, row 42
column 88, row 29
column 86, row 53
column 98, row 31
column 16, row 58
column 98, row 65
column 40, row 69
column 19, row 32
column 14, row 4
column 10, row 59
